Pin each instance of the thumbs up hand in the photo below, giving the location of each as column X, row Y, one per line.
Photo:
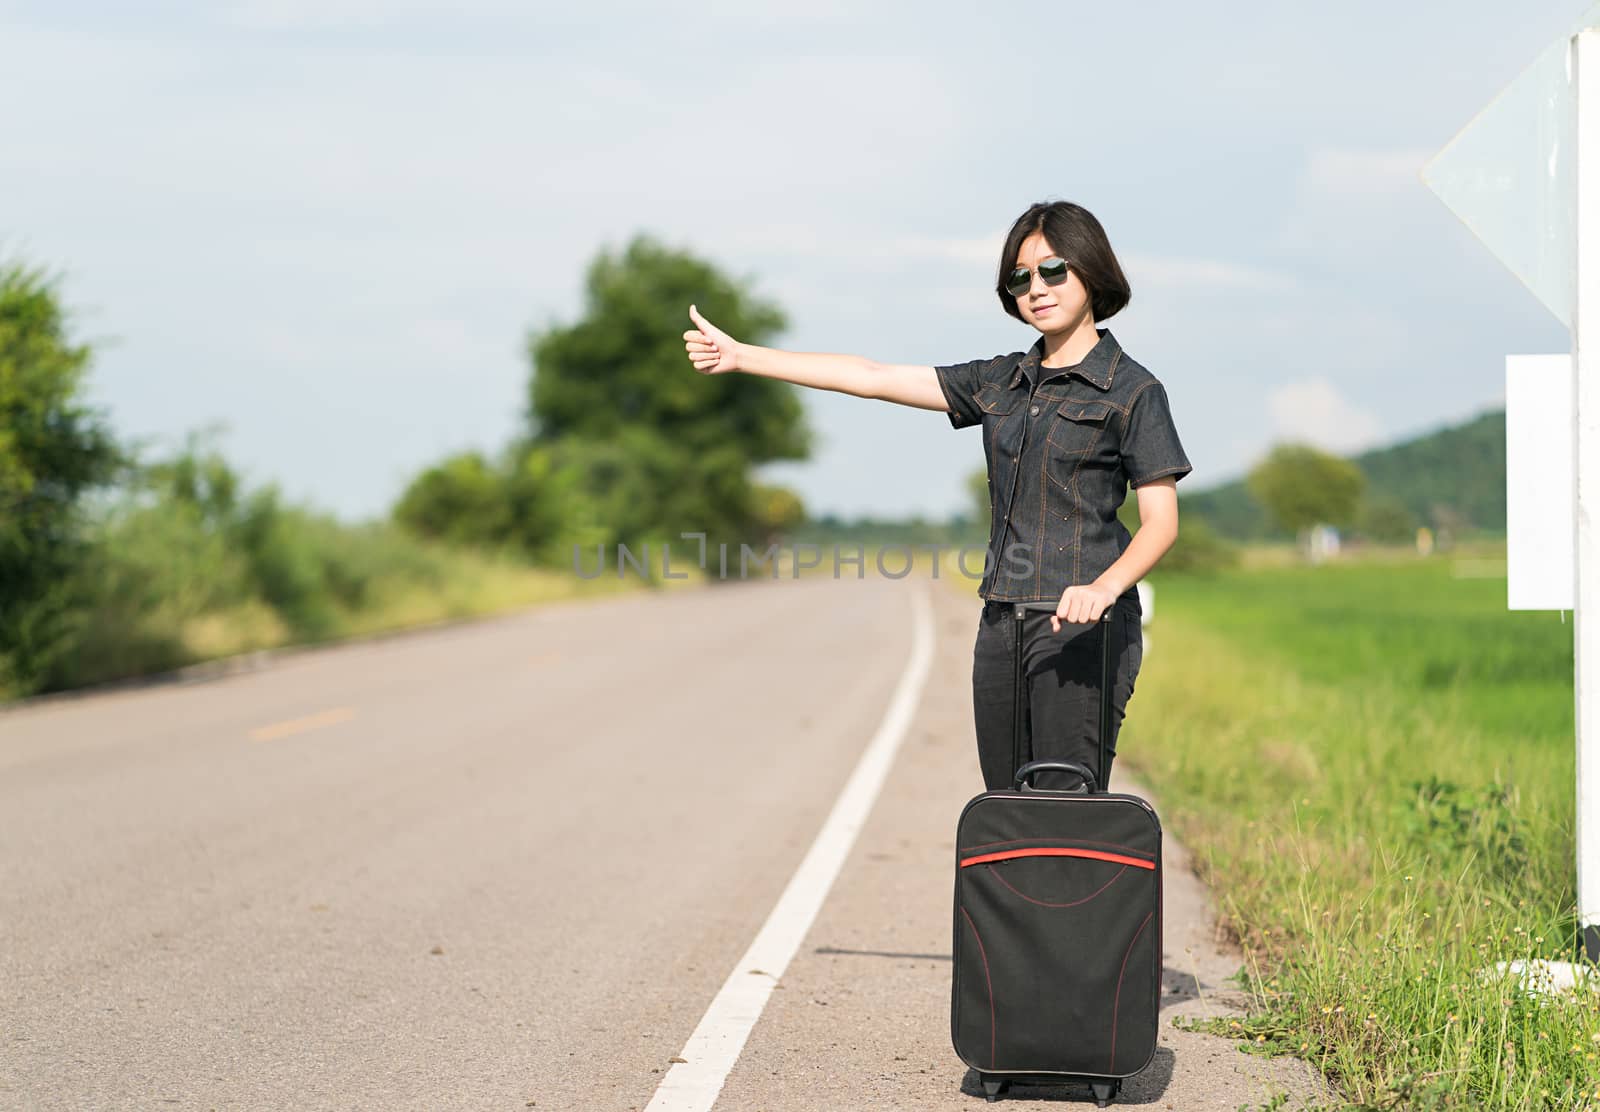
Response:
column 710, row 349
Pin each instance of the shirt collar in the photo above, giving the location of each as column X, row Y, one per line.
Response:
column 1096, row 367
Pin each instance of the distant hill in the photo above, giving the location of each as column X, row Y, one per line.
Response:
column 1455, row 476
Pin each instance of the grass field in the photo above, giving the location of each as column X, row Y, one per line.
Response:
column 1373, row 762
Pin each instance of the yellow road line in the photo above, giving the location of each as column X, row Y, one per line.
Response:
column 300, row 725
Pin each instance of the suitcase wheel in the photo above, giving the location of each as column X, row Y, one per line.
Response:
column 1105, row 1092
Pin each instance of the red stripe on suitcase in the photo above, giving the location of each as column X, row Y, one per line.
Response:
column 1058, row 851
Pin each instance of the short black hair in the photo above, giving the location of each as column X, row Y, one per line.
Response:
column 1074, row 234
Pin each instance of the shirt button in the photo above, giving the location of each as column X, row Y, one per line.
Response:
column 1034, row 411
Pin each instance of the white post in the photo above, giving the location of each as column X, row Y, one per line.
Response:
column 1586, row 461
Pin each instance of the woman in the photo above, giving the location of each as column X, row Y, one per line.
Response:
column 1068, row 425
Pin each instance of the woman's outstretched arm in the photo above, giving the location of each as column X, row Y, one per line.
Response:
column 713, row 351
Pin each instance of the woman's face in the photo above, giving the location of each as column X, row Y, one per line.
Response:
column 1050, row 309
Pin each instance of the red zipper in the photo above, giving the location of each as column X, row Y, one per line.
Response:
column 1058, row 851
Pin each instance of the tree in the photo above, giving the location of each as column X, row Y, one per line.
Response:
column 462, row 500
column 53, row 451
column 640, row 486
column 622, row 364
column 1302, row 486
column 652, row 448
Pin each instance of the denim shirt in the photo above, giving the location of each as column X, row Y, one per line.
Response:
column 1062, row 445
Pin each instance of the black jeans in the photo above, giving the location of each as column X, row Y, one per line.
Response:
column 1061, row 696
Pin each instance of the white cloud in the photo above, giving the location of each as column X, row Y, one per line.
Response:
column 1188, row 273
column 1358, row 207
column 864, row 246
column 1314, row 411
column 1345, row 172
column 981, row 250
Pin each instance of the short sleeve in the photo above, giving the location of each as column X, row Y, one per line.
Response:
column 1150, row 445
column 960, row 382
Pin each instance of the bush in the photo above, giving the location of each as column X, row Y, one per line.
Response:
column 1199, row 548
column 1386, row 520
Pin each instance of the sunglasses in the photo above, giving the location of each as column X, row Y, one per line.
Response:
column 1053, row 270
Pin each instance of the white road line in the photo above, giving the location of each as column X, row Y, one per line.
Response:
column 693, row 1084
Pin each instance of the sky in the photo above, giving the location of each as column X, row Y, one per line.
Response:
column 326, row 228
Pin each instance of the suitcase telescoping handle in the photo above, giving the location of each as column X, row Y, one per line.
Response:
column 1023, row 772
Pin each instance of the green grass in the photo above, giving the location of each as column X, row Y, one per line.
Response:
column 158, row 594
column 1374, row 764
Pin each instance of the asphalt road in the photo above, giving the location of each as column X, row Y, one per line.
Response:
column 506, row 864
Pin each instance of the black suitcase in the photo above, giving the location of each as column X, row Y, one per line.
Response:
column 1057, row 953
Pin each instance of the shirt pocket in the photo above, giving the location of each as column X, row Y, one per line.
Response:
column 1077, row 430
column 999, row 407
column 997, row 401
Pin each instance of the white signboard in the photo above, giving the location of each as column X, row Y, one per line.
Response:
column 1540, row 537
column 1510, row 174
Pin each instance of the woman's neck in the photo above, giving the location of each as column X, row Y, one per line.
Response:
column 1069, row 348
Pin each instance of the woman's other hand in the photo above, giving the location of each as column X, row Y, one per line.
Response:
column 710, row 349
column 1081, row 604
